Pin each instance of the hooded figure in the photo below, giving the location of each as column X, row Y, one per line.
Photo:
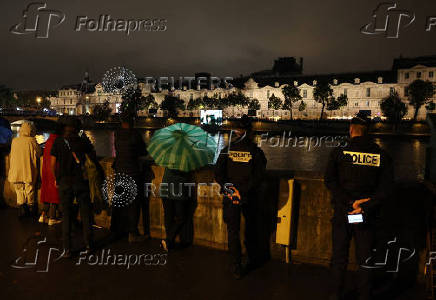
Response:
column 23, row 170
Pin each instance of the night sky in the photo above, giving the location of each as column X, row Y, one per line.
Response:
column 225, row 38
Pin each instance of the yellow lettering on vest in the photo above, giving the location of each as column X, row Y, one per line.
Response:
column 240, row 156
column 364, row 159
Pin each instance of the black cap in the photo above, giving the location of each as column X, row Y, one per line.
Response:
column 360, row 119
column 245, row 122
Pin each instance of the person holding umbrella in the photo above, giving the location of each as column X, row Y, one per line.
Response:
column 176, row 201
column 180, row 148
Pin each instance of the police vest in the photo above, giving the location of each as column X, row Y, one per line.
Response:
column 240, row 156
column 363, row 159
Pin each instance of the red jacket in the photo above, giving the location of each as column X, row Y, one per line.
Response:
column 49, row 192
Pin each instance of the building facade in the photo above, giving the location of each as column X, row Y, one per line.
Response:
column 364, row 93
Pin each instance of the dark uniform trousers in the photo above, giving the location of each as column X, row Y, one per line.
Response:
column 140, row 203
column 67, row 193
column 232, row 217
column 176, row 217
column 363, row 238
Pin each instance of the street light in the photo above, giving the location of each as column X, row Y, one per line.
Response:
column 38, row 100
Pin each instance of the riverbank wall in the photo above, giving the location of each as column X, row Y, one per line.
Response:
column 311, row 217
column 312, row 238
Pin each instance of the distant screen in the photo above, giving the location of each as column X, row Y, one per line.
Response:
column 211, row 117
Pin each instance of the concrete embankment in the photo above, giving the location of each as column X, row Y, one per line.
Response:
column 312, row 234
column 311, row 231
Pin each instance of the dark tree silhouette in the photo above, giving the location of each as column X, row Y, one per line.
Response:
column 420, row 92
column 134, row 101
column 102, row 112
column 337, row 103
column 172, row 104
column 274, row 102
column 302, row 106
column 254, row 104
column 393, row 108
column 292, row 95
column 323, row 94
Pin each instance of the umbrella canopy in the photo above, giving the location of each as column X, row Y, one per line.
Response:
column 182, row 147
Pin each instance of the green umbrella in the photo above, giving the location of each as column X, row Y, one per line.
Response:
column 182, row 147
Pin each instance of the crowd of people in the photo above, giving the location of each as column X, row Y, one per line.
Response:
column 359, row 176
column 71, row 177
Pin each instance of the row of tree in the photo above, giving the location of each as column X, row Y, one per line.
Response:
column 24, row 99
column 323, row 93
column 393, row 108
column 419, row 94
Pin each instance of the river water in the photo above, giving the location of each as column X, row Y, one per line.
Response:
column 284, row 154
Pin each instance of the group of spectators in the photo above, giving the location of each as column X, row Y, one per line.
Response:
column 71, row 179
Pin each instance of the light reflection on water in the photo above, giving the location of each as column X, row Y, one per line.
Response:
column 408, row 154
column 42, row 138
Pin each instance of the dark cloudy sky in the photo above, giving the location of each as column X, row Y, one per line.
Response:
column 226, row 38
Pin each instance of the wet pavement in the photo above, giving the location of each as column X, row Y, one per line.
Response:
column 191, row 273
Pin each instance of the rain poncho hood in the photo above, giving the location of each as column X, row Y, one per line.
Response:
column 25, row 152
column 27, row 129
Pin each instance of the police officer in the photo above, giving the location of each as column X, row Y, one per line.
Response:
column 359, row 177
column 240, row 170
